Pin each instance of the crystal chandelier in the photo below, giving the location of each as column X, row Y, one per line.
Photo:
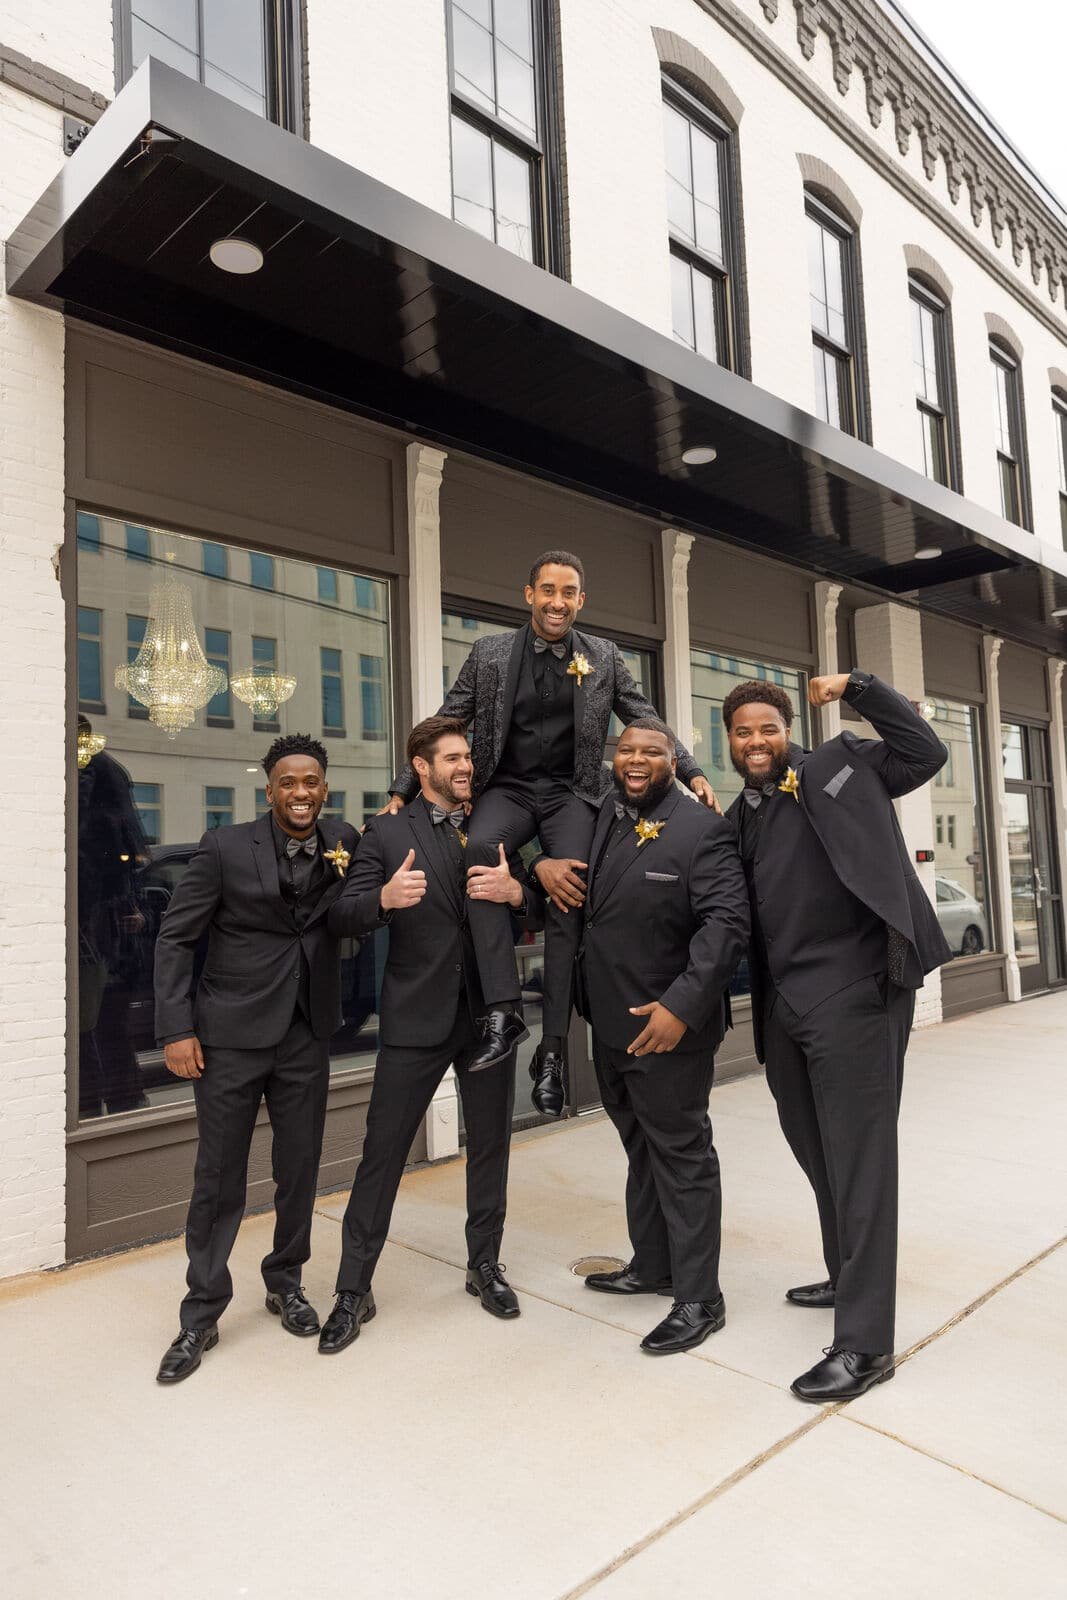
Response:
column 90, row 744
column 263, row 691
column 171, row 675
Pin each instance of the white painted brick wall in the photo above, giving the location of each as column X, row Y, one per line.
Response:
column 32, row 879
column 74, row 37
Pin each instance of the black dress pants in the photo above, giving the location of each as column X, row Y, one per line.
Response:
column 836, row 1075
column 659, row 1104
column 512, row 813
column 405, row 1080
column 293, row 1076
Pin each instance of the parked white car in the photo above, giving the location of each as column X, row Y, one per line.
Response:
column 962, row 919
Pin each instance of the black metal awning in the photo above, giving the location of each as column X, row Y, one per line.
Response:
column 370, row 301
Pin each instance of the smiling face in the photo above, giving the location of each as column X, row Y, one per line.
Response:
column 554, row 600
column 644, row 766
column 296, row 793
column 759, row 743
column 446, row 777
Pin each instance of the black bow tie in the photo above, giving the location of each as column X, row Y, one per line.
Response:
column 310, row 846
column 755, row 797
column 456, row 817
column 559, row 650
column 625, row 811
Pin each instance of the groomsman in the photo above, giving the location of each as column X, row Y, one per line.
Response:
column 255, row 1025
column 842, row 936
column 412, row 876
column 541, row 700
column 665, row 926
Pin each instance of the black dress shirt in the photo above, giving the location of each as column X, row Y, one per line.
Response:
column 540, row 740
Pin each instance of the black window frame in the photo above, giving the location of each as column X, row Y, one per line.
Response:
column 947, row 414
column 829, row 216
column 1002, row 355
column 727, row 273
column 543, row 154
column 284, row 66
column 1059, row 415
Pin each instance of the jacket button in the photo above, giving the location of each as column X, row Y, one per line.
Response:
column 296, row 972
column 459, row 966
column 589, row 922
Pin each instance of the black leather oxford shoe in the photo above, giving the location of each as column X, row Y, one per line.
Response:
column 185, row 1354
column 546, row 1071
column 341, row 1328
column 499, row 1031
column 842, row 1375
column 686, row 1325
column 625, row 1281
column 488, row 1282
column 811, row 1294
column 297, row 1316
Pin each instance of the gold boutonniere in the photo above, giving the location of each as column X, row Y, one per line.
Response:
column 646, row 830
column 579, row 667
column 462, row 837
column 340, row 858
column 790, row 784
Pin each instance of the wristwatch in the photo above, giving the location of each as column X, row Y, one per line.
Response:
column 857, row 683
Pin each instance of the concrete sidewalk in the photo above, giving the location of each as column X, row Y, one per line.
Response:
column 449, row 1455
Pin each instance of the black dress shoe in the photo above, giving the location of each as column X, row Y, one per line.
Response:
column 350, row 1312
column 488, row 1282
column 184, row 1355
column 625, row 1281
column 546, row 1071
column 842, row 1375
column 499, row 1032
column 811, row 1294
column 686, row 1325
column 297, row 1316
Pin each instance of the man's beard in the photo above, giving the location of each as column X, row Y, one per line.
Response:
column 773, row 774
column 652, row 796
column 443, row 789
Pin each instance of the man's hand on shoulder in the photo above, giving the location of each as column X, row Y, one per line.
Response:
column 405, row 888
column 705, row 794
column 824, row 691
column 184, row 1057
column 394, row 808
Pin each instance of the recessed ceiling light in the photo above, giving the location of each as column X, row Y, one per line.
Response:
column 251, row 769
column 236, row 255
column 928, row 552
column 698, row 455
column 1060, row 611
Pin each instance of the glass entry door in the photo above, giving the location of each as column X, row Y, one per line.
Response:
column 1036, row 897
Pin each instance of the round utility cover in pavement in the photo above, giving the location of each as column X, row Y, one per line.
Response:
column 587, row 1264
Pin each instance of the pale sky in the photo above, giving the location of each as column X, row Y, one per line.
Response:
column 1013, row 58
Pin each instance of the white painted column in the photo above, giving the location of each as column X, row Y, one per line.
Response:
column 677, row 668
column 424, row 470
column 826, row 597
column 998, row 827
column 1058, row 757
column 889, row 644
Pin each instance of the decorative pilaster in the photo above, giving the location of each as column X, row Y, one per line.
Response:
column 677, row 669
column 827, row 596
column 1058, row 753
column 424, row 469
column 998, row 826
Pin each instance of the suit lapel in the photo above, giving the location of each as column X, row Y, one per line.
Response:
column 427, row 857
column 266, row 860
column 506, row 700
column 619, row 864
column 330, row 832
column 605, row 818
column 584, row 693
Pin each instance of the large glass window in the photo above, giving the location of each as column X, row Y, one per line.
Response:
column 964, row 907
column 833, row 281
column 333, row 691
column 931, row 358
column 503, row 157
column 1059, row 418
column 145, row 799
column 714, row 675
column 244, row 49
column 1008, row 433
column 701, row 218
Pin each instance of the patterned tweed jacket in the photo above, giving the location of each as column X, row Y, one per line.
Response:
column 483, row 697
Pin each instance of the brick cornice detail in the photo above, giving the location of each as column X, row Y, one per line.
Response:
column 51, row 87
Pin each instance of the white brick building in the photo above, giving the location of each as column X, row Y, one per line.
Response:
column 385, row 423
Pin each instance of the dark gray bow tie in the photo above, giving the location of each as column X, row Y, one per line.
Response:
column 559, row 650
column 625, row 811
column 755, row 797
column 310, row 846
column 456, row 817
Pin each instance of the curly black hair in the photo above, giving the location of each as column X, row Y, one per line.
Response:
column 294, row 744
column 758, row 693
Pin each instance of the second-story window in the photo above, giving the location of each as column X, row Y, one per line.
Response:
column 1008, row 432
column 931, row 358
column 244, row 49
column 1059, row 417
column 503, row 146
column 702, row 222
column 833, row 282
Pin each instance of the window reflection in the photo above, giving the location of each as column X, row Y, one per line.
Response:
column 145, row 800
column 961, row 884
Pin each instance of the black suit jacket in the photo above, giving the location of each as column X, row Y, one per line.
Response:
column 246, row 993
column 666, row 920
column 847, row 789
column 431, row 961
column 484, row 695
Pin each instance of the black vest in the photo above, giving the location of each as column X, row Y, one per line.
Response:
column 810, row 933
column 540, row 741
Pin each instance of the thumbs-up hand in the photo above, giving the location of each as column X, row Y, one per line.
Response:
column 405, row 888
column 494, row 884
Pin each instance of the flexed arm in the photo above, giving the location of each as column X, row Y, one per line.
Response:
column 908, row 753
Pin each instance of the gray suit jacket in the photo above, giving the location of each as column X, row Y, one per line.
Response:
column 483, row 696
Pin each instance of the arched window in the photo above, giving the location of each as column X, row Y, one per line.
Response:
column 703, row 226
column 931, row 345
column 836, row 316
column 1008, row 432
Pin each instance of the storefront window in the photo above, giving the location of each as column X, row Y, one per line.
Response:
column 714, row 676
column 962, row 882
column 145, row 798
